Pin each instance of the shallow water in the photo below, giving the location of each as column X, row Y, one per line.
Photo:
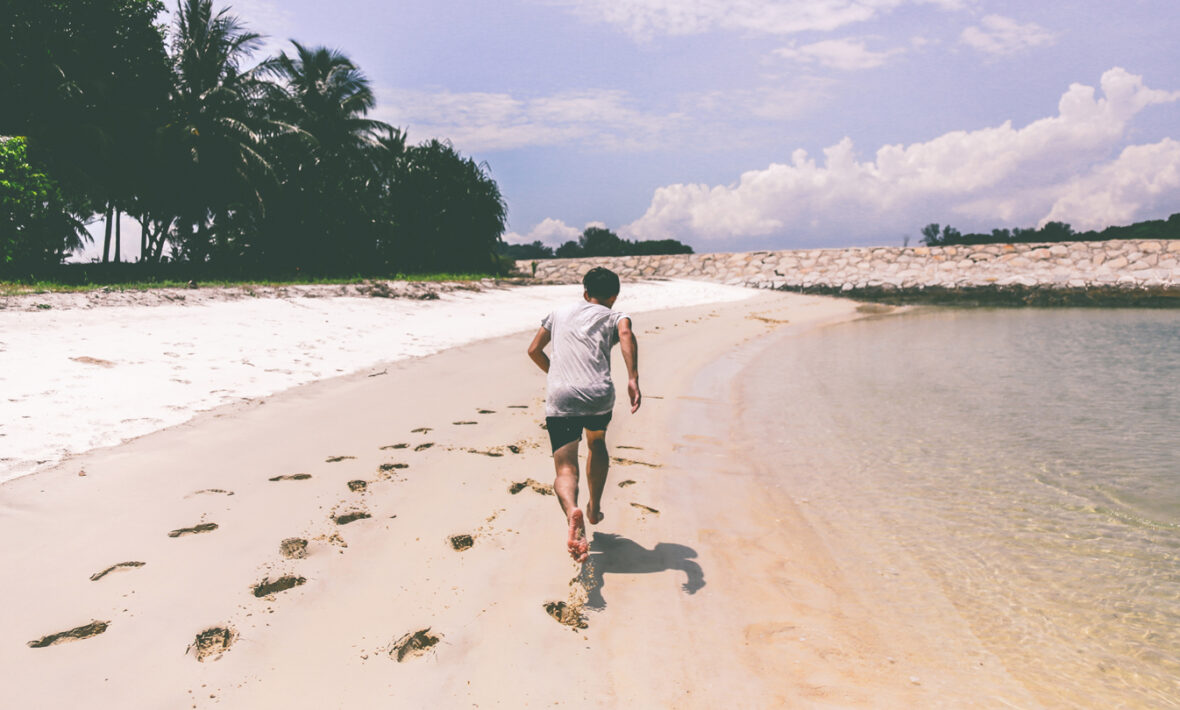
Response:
column 1027, row 460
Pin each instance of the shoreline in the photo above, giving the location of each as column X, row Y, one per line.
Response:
column 439, row 550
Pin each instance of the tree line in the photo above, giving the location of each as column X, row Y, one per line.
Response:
column 229, row 166
column 934, row 235
column 595, row 241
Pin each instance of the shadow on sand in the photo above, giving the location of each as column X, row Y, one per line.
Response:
column 615, row 554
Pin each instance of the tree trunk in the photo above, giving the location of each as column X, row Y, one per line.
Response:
column 143, row 238
column 106, row 242
column 118, row 237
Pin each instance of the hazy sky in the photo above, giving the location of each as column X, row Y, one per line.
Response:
column 742, row 124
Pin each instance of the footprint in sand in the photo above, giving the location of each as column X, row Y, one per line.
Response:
column 633, row 462
column 464, row 423
column 413, row 644
column 293, row 548
column 351, row 517
column 94, row 628
column 486, row 411
column 518, row 406
column 538, row 487
column 461, row 542
column 421, row 430
column 212, row 642
column 357, row 486
column 205, row 491
column 337, row 459
column 194, row 530
column 292, row 477
column 634, row 448
column 266, row 587
column 394, row 446
column 122, row 565
column 87, row 360
column 628, row 482
column 645, row 508
column 568, row 614
column 423, row 447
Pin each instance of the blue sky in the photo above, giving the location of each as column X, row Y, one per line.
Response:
column 746, row 124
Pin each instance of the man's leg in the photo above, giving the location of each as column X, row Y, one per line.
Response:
column 597, row 465
column 565, row 485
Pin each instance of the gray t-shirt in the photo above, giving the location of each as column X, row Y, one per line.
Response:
column 579, row 383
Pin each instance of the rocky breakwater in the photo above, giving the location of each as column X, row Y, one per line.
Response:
column 1120, row 272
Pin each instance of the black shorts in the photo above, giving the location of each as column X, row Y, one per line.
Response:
column 563, row 430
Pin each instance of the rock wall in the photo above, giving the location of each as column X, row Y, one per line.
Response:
column 1117, row 270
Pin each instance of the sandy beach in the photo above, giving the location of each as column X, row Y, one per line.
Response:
column 388, row 539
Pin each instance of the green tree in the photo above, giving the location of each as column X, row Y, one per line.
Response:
column 1056, row 232
column 332, row 166
column 36, row 229
column 215, row 145
column 597, row 241
column 448, row 210
column 930, row 236
column 85, row 81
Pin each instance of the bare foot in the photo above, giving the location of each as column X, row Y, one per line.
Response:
column 576, row 542
column 593, row 515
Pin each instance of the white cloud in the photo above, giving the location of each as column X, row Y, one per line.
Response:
column 1001, row 35
column 550, row 232
column 643, row 19
column 494, row 121
column 1003, row 173
column 1144, row 179
column 845, row 54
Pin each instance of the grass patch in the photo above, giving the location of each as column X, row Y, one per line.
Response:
column 86, row 282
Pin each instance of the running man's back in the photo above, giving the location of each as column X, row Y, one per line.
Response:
column 579, row 381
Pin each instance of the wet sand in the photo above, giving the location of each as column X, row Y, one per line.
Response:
column 391, row 540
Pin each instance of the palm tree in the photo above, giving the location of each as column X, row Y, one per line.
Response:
column 217, row 137
column 329, row 186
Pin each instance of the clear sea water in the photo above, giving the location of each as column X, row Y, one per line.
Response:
column 1027, row 460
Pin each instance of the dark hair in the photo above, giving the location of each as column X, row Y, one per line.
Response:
column 601, row 283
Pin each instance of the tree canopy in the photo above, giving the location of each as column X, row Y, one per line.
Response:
column 231, row 163
column 595, row 241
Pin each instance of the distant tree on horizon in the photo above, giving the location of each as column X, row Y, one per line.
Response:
column 598, row 241
column 933, row 235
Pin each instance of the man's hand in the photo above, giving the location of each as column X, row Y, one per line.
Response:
column 630, row 348
column 537, row 349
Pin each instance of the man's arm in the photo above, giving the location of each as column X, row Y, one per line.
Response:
column 537, row 349
column 630, row 348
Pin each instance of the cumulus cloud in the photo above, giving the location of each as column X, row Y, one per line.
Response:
column 644, row 19
column 1145, row 179
column 479, row 121
column 1001, row 35
column 1015, row 175
column 845, row 54
column 550, row 232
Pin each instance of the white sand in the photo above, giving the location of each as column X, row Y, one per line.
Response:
column 146, row 368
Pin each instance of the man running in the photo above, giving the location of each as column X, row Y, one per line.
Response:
column 581, row 394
